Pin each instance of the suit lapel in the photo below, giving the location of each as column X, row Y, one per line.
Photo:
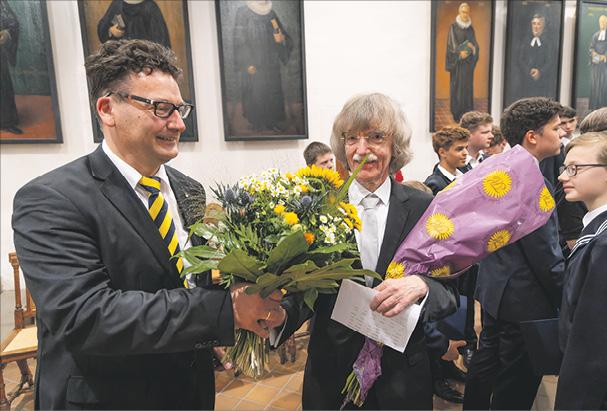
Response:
column 117, row 190
column 190, row 198
column 395, row 228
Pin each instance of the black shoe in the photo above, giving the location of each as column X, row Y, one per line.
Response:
column 450, row 370
column 13, row 129
column 467, row 354
column 443, row 390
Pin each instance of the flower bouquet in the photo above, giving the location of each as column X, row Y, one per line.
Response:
column 495, row 204
column 290, row 232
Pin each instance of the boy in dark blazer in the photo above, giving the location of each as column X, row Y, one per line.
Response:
column 116, row 327
column 519, row 282
column 451, row 146
column 583, row 326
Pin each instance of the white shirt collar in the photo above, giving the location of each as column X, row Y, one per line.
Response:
column 591, row 215
column 536, row 41
column 475, row 161
column 601, row 35
column 131, row 175
column 447, row 174
column 357, row 192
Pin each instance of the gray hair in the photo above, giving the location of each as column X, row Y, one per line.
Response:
column 373, row 111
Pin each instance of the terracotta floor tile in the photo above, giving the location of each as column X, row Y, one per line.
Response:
column 262, row 394
column 225, row 403
column 295, row 383
column 277, row 381
column 222, row 379
column 238, row 389
column 249, row 405
column 287, row 401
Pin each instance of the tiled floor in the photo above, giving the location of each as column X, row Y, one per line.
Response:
column 279, row 390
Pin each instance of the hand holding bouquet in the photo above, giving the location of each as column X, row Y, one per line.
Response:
column 279, row 232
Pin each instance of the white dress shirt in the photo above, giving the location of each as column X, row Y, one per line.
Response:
column 591, row 215
column 447, row 174
column 475, row 161
column 601, row 35
column 133, row 176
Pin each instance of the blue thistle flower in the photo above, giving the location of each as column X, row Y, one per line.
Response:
column 306, row 201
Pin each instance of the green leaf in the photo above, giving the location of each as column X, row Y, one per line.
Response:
column 201, row 267
column 287, row 248
column 310, row 297
column 337, row 248
column 343, row 191
column 242, row 265
column 201, row 251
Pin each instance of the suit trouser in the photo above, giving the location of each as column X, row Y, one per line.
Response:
column 466, row 286
column 500, row 375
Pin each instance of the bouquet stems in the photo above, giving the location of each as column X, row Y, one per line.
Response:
column 249, row 354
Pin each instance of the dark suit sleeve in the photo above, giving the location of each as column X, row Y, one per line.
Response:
column 297, row 314
column 545, row 258
column 583, row 378
column 436, row 342
column 442, row 299
column 57, row 245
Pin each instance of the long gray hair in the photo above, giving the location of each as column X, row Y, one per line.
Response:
column 378, row 112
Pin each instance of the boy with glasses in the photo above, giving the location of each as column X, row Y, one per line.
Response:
column 582, row 328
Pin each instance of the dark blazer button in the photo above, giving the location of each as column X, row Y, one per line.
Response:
column 199, row 346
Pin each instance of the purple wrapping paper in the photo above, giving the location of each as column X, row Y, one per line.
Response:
column 498, row 202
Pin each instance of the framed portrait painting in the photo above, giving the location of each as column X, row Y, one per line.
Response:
column 162, row 21
column 263, row 82
column 534, row 36
column 462, row 49
column 29, row 112
column 589, row 90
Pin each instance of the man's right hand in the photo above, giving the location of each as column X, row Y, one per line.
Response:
column 251, row 310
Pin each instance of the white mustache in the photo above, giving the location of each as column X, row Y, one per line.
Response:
column 358, row 158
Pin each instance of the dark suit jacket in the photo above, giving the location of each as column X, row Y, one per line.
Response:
column 583, row 323
column 523, row 280
column 405, row 382
column 116, row 329
column 437, row 180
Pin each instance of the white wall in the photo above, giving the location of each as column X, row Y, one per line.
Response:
column 351, row 47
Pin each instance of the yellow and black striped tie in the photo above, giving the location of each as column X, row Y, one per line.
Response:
column 160, row 213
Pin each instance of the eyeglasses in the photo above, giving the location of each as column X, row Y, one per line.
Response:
column 162, row 109
column 572, row 169
column 374, row 138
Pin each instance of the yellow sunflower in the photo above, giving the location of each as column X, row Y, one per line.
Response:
column 497, row 184
column 498, row 240
column 395, row 270
column 546, row 202
column 441, row 271
column 326, row 174
column 439, row 226
column 279, row 209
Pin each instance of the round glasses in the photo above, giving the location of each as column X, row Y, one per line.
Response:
column 374, row 138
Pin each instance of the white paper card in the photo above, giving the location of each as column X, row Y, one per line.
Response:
column 352, row 310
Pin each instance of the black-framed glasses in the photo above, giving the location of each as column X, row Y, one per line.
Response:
column 162, row 109
column 374, row 138
column 572, row 169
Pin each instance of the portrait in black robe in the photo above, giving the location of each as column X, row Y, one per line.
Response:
column 9, row 39
column 598, row 71
column 261, row 46
column 542, row 56
column 131, row 20
column 461, row 38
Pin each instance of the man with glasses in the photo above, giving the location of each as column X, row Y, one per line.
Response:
column 519, row 282
column 373, row 125
column 98, row 241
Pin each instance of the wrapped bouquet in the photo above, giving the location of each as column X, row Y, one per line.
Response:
column 290, row 232
column 495, row 204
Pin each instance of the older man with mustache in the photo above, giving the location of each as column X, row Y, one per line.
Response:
column 373, row 125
